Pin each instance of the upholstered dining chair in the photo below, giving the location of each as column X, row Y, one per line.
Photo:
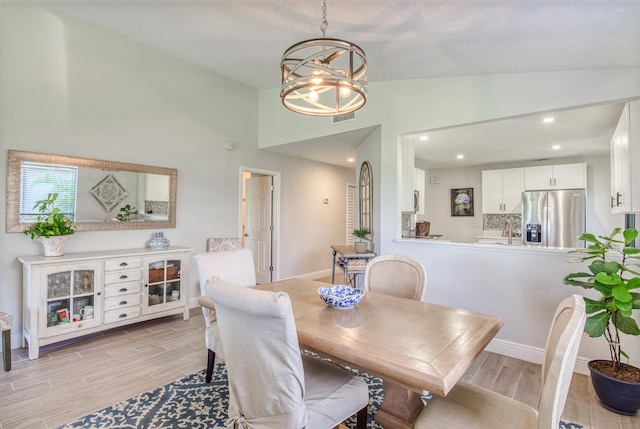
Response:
column 271, row 385
column 469, row 406
column 230, row 265
column 397, row 275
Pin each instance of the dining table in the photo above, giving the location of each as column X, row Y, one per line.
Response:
column 413, row 346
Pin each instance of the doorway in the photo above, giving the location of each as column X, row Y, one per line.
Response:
column 260, row 220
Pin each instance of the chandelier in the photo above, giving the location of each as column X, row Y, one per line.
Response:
column 324, row 77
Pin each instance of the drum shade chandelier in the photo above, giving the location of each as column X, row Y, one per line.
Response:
column 324, row 77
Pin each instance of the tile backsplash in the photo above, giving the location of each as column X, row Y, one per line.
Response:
column 496, row 221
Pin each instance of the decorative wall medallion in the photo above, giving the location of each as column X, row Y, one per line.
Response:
column 109, row 192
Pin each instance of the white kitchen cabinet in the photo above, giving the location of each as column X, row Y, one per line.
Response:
column 156, row 187
column 502, row 190
column 419, row 188
column 625, row 161
column 564, row 176
column 82, row 293
column 407, row 185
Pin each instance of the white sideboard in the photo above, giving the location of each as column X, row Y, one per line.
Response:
column 82, row 293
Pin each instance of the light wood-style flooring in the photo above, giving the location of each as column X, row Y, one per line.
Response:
column 71, row 380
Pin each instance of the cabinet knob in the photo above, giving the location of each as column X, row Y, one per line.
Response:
column 618, row 199
column 124, row 276
column 123, row 315
column 123, row 264
column 122, row 303
column 124, row 289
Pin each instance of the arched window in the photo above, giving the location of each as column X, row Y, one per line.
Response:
column 366, row 193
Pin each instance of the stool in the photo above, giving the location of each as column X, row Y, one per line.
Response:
column 6, row 320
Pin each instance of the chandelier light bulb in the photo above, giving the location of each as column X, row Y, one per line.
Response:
column 345, row 91
column 313, row 96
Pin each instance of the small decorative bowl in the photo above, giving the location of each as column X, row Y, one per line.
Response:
column 340, row 296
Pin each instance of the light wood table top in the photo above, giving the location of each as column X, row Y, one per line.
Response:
column 414, row 346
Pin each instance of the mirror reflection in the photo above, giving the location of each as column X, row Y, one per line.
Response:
column 97, row 195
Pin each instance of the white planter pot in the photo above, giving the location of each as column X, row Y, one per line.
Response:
column 54, row 246
column 361, row 246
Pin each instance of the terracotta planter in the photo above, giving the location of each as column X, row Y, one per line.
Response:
column 622, row 397
column 54, row 246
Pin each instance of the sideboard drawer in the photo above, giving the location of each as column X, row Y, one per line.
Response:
column 118, row 289
column 120, row 314
column 122, row 264
column 122, row 276
column 123, row 301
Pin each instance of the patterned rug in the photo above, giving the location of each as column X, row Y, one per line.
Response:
column 191, row 403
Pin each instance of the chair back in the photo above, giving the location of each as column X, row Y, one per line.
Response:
column 560, row 359
column 264, row 365
column 235, row 266
column 397, row 275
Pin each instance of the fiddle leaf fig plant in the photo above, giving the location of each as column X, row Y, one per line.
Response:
column 614, row 280
column 126, row 212
column 50, row 222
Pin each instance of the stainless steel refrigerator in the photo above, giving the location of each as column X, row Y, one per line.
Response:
column 553, row 218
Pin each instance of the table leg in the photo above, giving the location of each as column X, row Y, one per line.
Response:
column 400, row 407
column 333, row 268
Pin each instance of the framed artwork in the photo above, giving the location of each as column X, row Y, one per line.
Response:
column 462, row 202
column 109, row 192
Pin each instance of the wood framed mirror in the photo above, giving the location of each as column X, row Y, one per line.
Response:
column 96, row 191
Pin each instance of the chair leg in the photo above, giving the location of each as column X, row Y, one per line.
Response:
column 361, row 419
column 211, row 357
column 6, row 349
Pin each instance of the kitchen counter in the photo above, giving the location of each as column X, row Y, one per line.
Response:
column 516, row 247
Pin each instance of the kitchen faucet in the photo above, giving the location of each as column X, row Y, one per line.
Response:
column 508, row 227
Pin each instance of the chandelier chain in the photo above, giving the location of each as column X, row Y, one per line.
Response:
column 325, row 23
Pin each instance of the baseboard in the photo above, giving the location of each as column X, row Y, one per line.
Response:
column 530, row 354
column 315, row 275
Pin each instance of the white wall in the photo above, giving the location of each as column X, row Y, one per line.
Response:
column 70, row 88
column 522, row 287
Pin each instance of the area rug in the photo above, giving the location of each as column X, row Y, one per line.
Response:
column 194, row 404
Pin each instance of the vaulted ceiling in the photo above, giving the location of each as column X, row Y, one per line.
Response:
column 403, row 39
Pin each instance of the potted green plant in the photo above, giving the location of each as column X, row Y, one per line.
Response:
column 617, row 384
column 126, row 212
column 52, row 228
column 361, row 245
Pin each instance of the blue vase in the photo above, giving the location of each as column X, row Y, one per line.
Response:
column 159, row 241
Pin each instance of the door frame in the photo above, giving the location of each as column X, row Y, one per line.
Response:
column 275, row 220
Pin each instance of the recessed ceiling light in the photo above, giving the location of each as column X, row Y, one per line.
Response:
column 548, row 120
column 460, row 156
column 351, row 160
column 556, row 147
column 424, row 138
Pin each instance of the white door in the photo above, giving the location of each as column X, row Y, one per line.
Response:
column 259, row 224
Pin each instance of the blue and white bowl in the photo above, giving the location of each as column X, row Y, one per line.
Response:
column 340, row 296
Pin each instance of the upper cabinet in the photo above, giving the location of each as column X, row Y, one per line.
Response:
column 565, row 176
column 407, row 199
column 625, row 161
column 419, row 189
column 502, row 190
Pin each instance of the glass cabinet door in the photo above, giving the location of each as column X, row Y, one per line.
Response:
column 71, row 297
column 164, row 284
